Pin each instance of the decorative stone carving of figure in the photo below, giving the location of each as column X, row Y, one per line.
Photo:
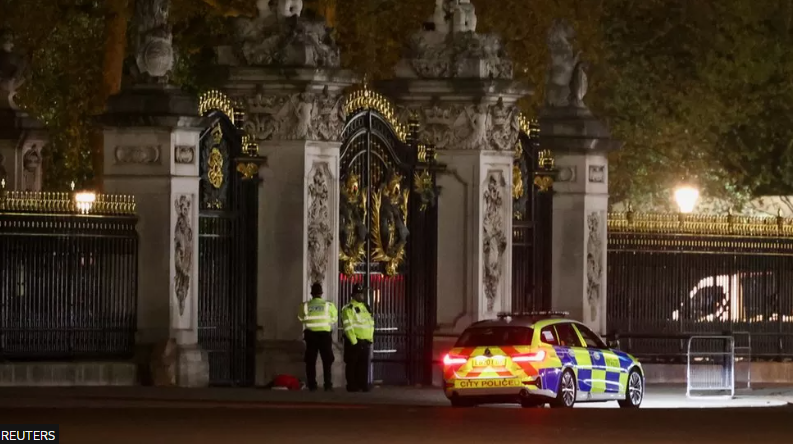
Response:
column 290, row 8
column 479, row 122
column 31, row 168
column 464, row 17
column 154, row 57
column 579, row 84
column 183, row 250
column 303, row 107
column 12, row 70
column 563, row 61
column 439, row 17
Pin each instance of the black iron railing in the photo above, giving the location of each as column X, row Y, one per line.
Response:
column 670, row 277
column 68, row 277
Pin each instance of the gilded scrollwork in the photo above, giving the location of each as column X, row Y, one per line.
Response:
column 352, row 224
column 214, row 168
column 215, row 172
column 389, row 223
column 424, row 186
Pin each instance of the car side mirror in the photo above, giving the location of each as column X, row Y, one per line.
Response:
column 613, row 343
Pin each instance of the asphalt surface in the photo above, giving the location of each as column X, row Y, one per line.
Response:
column 259, row 423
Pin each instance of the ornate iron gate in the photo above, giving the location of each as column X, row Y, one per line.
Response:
column 388, row 233
column 227, row 256
column 532, row 194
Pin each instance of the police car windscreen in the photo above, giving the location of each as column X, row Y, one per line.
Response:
column 495, row 336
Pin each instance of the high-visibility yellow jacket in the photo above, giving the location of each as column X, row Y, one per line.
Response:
column 358, row 322
column 318, row 315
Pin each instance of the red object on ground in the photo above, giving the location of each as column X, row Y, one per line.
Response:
column 288, row 381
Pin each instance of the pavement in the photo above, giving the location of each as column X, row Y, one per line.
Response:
column 656, row 397
column 148, row 415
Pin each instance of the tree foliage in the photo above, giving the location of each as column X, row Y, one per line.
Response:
column 699, row 91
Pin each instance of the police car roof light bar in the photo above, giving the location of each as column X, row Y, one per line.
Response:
column 561, row 314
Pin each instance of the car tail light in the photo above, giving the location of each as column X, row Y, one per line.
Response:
column 530, row 357
column 453, row 360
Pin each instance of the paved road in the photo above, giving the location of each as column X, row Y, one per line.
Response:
column 264, row 423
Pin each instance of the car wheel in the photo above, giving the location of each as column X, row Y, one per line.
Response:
column 634, row 392
column 461, row 403
column 565, row 396
column 530, row 404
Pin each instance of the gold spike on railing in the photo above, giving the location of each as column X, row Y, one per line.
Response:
column 65, row 203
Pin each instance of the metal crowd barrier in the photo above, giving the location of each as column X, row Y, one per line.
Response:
column 710, row 368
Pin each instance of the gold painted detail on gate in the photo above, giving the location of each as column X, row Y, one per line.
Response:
column 365, row 98
column 248, row 170
column 352, row 222
column 703, row 224
column 215, row 167
column 389, row 223
column 216, row 100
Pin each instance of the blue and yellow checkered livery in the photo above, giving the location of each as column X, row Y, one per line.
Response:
column 541, row 367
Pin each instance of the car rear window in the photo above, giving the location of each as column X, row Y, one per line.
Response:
column 495, row 336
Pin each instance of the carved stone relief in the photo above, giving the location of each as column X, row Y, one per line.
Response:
column 303, row 116
column 183, row 249
column 184, row 154
column 146, row 154
column 460, row 53
column 594, row 263
column 285, row 39
column 494, row 239
column 597, row 173
column 567, row 174
column 320, row 235
column 472, row 127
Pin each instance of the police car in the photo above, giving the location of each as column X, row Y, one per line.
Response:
column 535, row 359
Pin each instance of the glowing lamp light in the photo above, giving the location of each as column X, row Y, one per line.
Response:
column 686, row 198
column 84, row 202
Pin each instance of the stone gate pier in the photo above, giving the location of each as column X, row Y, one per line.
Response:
column 459, row 85
column 292, row 98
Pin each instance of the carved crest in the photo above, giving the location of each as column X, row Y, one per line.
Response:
column 389, row 223
column 352, row 223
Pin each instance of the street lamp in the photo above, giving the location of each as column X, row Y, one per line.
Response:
column 686, row 198
column 84, row 201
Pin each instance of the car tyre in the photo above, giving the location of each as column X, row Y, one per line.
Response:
column 634, row 391
column 566, row 394
column 531, row 404
column 461, row 403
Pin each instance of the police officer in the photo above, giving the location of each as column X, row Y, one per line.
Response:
column 318, row 316
column 358, row 335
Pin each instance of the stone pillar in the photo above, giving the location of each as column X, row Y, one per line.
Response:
column 297, row 116
column 298, row 245
column 580, row 145
column 459, row 86
column 144, row 129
